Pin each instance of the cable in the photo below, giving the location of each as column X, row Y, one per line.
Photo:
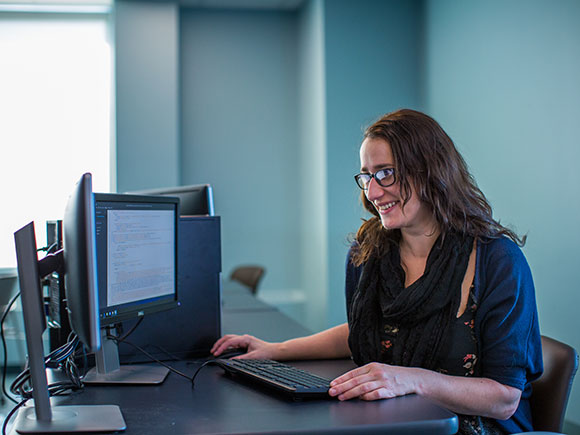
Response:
column 55, row 389
column 5, row 365
column 11, row 414
column 64, row 351
column 139, row 348
column 49, row 248
column 128, row 333
column 123, row 339
column 54, row 360
column 198, row 370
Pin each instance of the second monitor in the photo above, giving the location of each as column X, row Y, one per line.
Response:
column 136, row 249
column 195, row 200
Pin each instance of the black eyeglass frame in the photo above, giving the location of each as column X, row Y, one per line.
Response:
column 358, row 178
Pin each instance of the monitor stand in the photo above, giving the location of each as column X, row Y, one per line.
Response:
column 43, row 417
column 109, row 371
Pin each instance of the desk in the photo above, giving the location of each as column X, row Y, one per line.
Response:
column 221, row 405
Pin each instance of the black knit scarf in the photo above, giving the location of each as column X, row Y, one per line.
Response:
column 412, row 321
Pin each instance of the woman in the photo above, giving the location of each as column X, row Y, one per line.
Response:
column 440, row 298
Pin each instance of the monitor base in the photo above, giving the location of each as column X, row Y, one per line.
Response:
column 72, row 419
column 129, row 374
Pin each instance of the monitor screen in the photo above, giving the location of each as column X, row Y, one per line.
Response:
column 195, row 200
column 136, row 251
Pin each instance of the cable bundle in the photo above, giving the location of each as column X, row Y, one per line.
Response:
column 62, row 358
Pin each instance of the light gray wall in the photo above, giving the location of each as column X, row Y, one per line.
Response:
column 240, row 132
column 147, row 94
column 313, row 187
column 503, row 80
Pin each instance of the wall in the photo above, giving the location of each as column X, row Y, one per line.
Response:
column 502, row 78
column 147, row 94
column 269, row 107
column 240, row 133
column 372, row 66
column 313, row 187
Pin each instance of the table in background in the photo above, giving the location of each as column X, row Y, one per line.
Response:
column 237, row 297
column 244, row 313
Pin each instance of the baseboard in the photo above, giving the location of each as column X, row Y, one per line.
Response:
column 571, row 428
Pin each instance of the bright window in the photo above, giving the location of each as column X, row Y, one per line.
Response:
column 55, row 116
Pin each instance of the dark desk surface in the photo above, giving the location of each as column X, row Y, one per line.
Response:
column 221, row 405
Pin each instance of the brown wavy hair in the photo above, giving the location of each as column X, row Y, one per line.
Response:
column 426, row 158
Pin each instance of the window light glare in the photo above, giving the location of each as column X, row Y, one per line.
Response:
column 55, row 110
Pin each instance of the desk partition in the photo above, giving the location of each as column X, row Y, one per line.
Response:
column 190, row 329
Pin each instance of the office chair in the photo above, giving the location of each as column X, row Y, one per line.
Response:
column 551, row 391
column 248, row 275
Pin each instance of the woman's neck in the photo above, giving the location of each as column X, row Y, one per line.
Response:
column 418, row 244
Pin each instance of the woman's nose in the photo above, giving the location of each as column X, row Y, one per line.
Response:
column 374, row 191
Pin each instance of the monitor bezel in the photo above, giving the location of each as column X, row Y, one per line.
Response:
column 140, row 310
column 80, row 264
column 182, row 192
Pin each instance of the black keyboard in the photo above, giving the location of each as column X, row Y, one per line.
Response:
column 284, row 378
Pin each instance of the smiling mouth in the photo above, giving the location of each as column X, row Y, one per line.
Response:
column 386, row 207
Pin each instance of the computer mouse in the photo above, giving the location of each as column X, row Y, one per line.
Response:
column 230, row 353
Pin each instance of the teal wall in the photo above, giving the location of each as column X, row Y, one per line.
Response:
column 372, row 66
column 270, row 111
column 239, row 123
column 503, row 79
column 208, row 100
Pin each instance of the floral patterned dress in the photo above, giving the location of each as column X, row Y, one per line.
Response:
column 459, row 359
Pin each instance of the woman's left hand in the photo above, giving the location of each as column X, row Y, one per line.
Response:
column 375, row 381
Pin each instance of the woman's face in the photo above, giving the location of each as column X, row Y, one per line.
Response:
column 416, row 218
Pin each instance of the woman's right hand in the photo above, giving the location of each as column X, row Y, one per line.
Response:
column 254, row 347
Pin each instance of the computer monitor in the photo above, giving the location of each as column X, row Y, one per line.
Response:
column 136, row 253
column 79, row 261
column 195, row 200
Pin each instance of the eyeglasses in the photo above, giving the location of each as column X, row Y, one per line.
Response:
column 385, row 178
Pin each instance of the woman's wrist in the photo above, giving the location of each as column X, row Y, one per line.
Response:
column 420, row 379
column 278, row 350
